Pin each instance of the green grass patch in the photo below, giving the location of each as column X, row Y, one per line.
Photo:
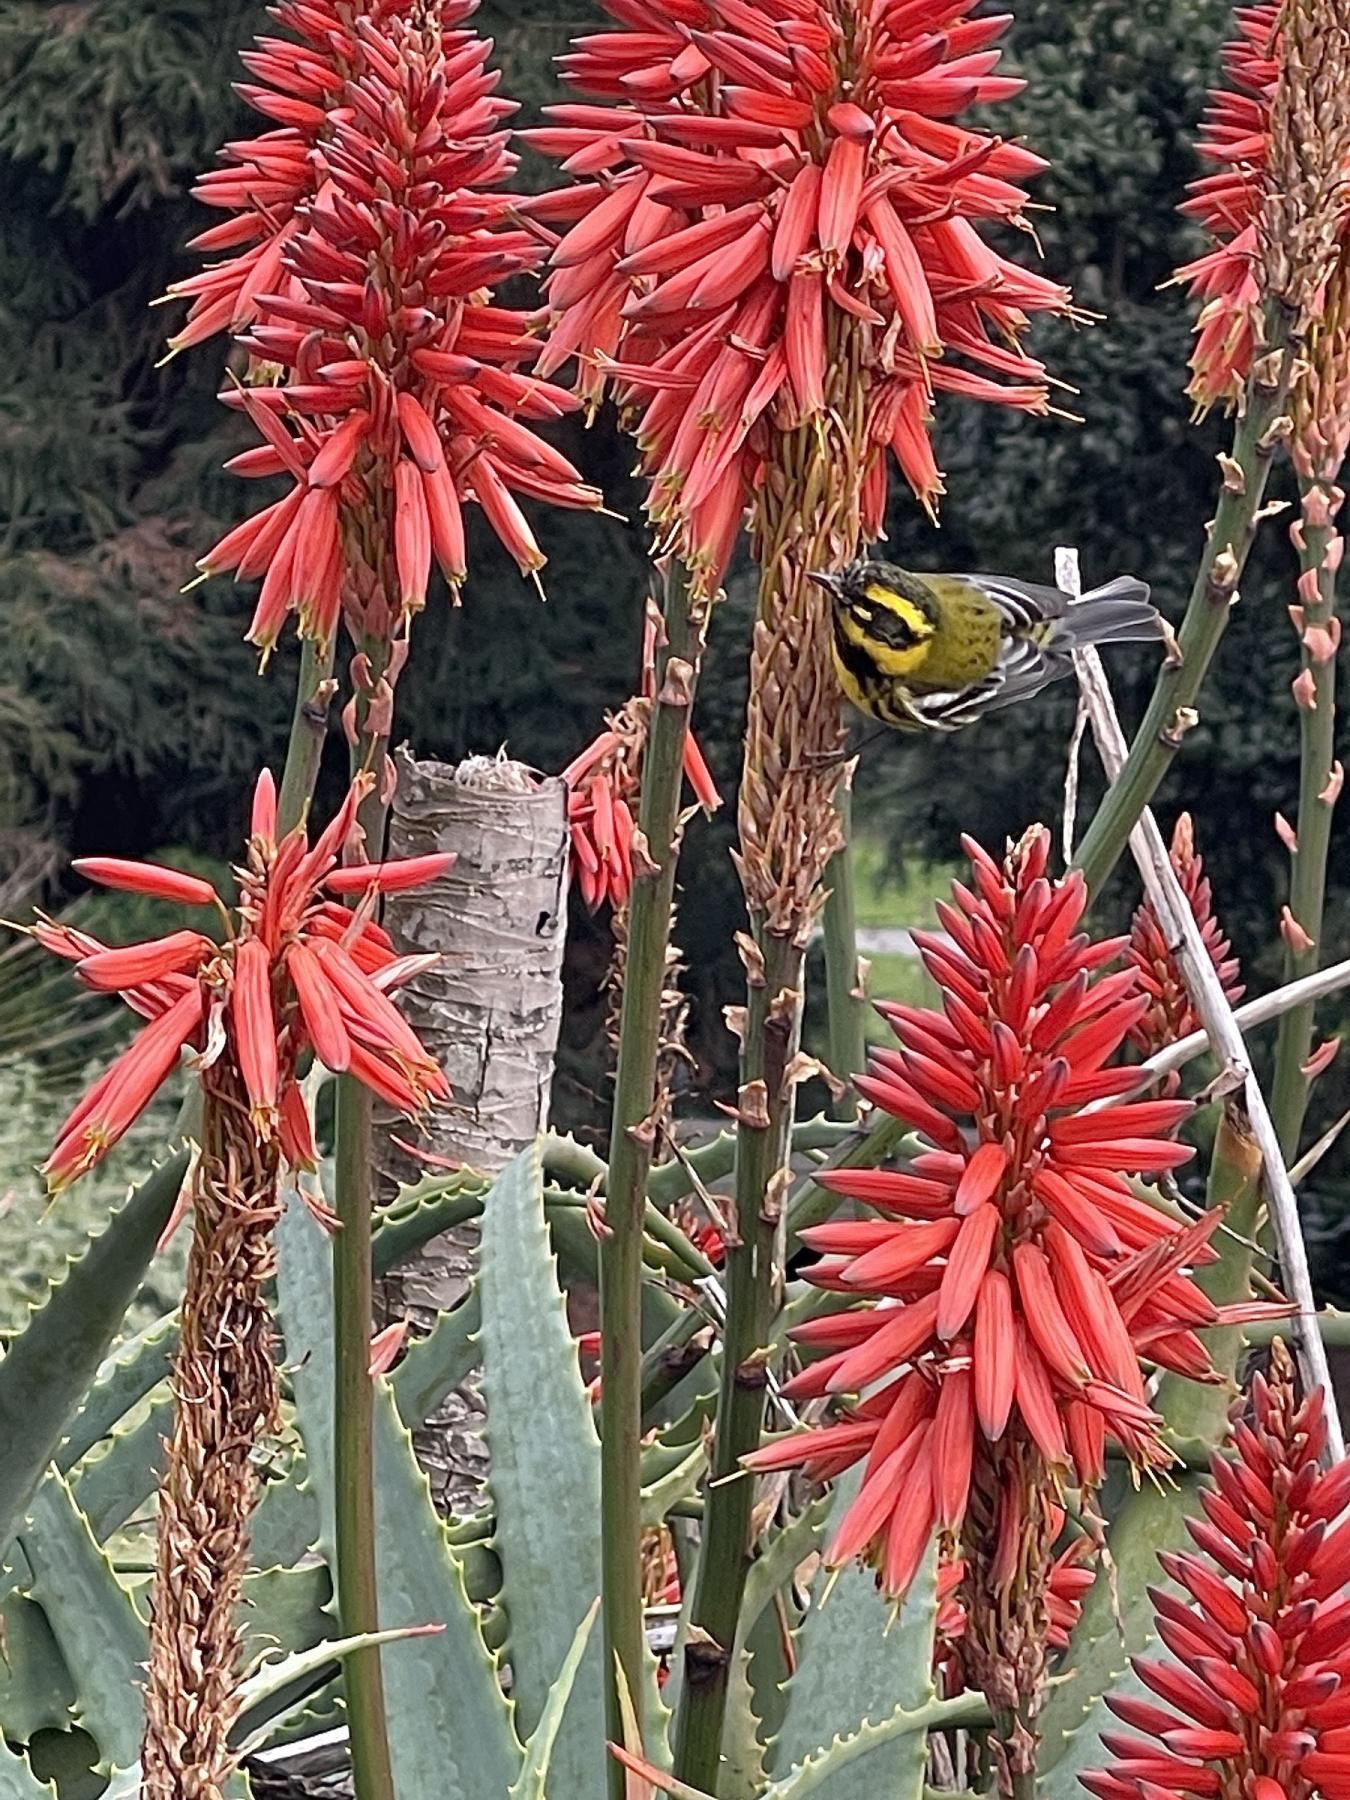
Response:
column 884, row 899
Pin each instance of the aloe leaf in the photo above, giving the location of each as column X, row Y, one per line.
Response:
column 742, row 1773
column 856, row 1667
column 857, row 1763
column 449, row 1722
column 276, row 1676
column 545, row 1471
column 531, row 1784
column 436, row 1364
column 17, row 1780
column 1081, row 1749
column 51, row 1362
column 119, row 1475
column 422, row 1211
column 37, row 1690
column 285, row 1609
column 285, row 1522
column 782, row 1556
column 676, row 1484
column 130, row 1371
column 102, row 1637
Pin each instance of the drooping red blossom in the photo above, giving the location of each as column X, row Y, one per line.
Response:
column 1171, row 1014
column 603, row 785
column 753, row 176
column 1235, row 138
column 1256, row 1704
column 297, row 971
column 368, row 237
column 1016, row 1281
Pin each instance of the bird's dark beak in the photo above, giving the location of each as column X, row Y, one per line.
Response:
column 832, row 584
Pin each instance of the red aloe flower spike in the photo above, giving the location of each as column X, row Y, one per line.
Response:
column 1258, row 1698
column 1170, row 1014
column 297, row 971
column 817, row 175
column 359, row 268
column 1275, row 206
column 1018, row 1283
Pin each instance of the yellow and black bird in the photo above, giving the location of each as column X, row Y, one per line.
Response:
column 936, row 652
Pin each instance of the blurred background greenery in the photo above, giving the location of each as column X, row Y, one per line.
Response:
column 133, row 714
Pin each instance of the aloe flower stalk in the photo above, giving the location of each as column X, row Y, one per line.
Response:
column 1280, row 209
column 1252, row 1703
column 367, row 235
column 298, row 974
column 771, row 257
column 1318, row 447
column 1018, row 1288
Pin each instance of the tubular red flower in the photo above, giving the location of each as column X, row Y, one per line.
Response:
column 1256, row 1703
column 297, row 972
column 762, row 168
column 367, row 236
column 147, row 878
column 120, row 1096
column 1013, row 1260
column 602, row 795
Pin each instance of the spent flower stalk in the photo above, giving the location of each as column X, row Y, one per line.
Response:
column 297, row 975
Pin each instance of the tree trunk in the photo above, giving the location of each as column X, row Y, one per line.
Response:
column 489, row 1012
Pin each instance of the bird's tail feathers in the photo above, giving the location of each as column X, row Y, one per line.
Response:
column 1117, row 613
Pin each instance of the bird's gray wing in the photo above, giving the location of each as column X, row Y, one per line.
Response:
column 1022, row 603
column 1022, row 670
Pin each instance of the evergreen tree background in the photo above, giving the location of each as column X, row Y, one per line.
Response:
column 133, row 716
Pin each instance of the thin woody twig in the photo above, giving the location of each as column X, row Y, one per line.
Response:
column 1260, row 1011
column 1211, row 1004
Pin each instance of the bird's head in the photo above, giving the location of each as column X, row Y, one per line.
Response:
column 882, row 598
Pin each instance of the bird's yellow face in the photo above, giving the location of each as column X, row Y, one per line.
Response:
column 892, row 627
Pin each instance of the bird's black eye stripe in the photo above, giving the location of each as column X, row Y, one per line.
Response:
column 889, row 628
column 857, row 661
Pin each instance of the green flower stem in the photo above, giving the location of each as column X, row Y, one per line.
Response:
column 355, row 1557
column 1195, row 1409
column 1308, row 872
column 1170, row 711
column 630, row 1157
column 354, row 1449
column 764, row 1137
column 847, row 1007
column 309, row 727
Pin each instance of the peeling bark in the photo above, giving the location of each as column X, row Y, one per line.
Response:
column 489, row 1012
